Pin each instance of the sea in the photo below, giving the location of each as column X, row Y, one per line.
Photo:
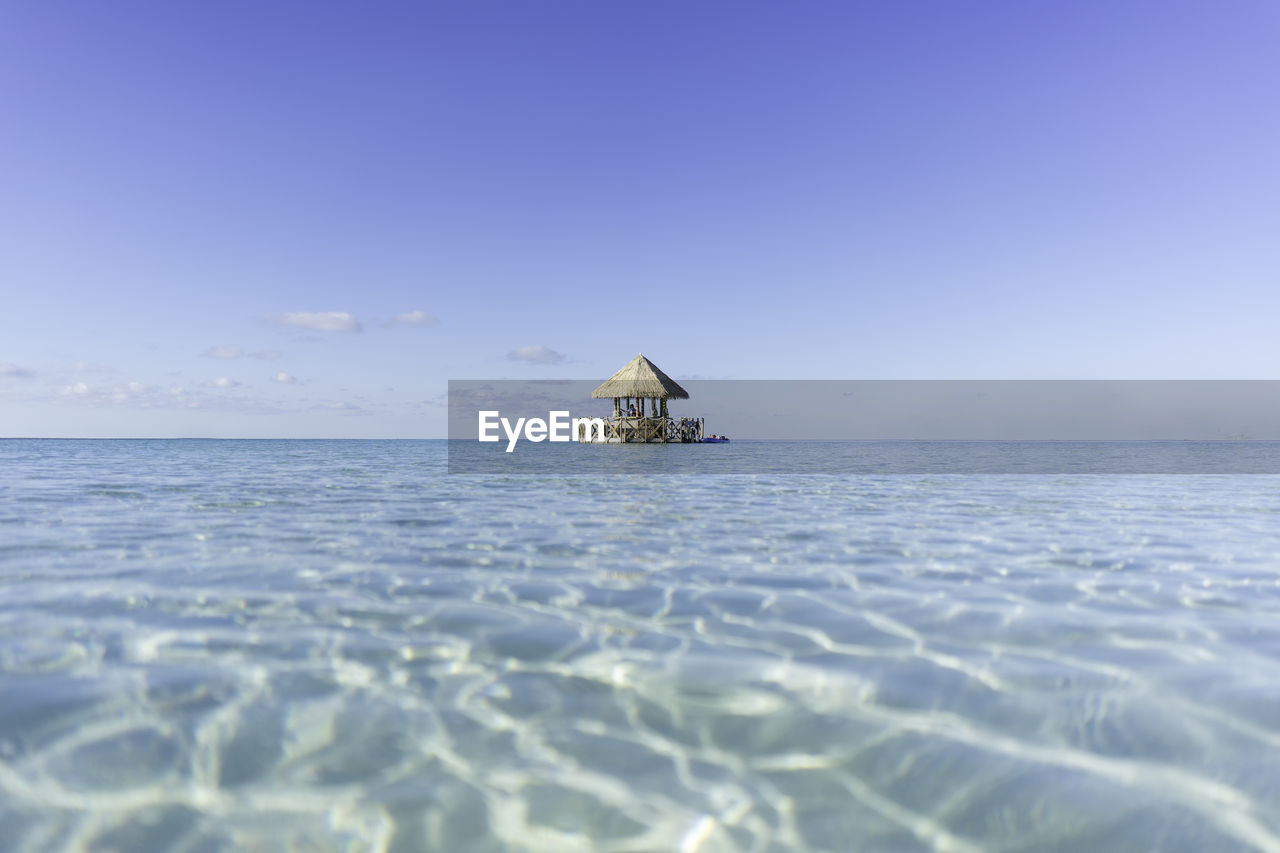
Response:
column 213, row 645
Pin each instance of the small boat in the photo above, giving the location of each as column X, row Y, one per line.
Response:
column 720, row 439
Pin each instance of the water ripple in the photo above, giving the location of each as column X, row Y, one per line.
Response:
column 335, row 645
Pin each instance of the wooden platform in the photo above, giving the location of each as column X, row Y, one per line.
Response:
column 631, row 429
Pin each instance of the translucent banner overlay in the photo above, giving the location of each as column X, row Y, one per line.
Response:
column 875, row 427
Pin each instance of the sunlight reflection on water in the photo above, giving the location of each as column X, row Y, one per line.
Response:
column 336, row 645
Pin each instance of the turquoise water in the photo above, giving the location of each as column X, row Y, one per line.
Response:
column 210, row 645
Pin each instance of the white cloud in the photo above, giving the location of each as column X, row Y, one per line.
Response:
column 13, row 371
column 211, row 396
column 284, row 378
column 536, row 355
column 415, row 318
column 322, row 321
column 266, row 354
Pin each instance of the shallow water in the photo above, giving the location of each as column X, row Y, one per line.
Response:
column 210, row 645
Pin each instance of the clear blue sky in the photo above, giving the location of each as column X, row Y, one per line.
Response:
column 213, row 213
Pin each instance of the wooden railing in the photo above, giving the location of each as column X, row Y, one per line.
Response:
column 652, row 430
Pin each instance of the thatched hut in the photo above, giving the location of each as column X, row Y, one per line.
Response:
column 641, row 385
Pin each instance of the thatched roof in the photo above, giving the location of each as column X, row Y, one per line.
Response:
column 640, row 377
